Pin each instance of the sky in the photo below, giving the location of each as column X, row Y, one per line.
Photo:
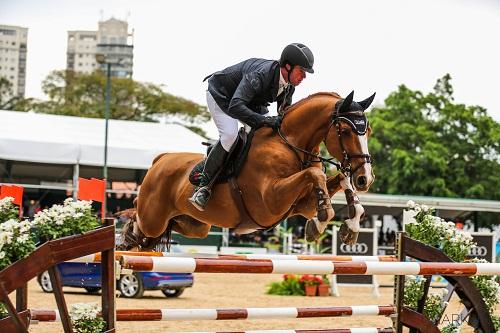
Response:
column 362, row 45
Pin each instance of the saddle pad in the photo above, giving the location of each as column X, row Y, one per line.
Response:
column 234, row 163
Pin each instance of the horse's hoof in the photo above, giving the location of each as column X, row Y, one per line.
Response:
column 121, row 247
column 347, row 236
column 312, row 232
column 322, row 215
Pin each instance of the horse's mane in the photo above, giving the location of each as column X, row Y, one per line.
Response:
column 306, row 99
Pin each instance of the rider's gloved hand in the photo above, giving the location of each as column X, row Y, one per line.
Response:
column 273, row 122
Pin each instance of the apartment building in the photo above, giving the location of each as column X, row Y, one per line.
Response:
column 112, row 40
column 13, row 51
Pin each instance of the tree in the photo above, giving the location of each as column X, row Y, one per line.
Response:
column 426, row 144
column 83, row 95
column 8, row 101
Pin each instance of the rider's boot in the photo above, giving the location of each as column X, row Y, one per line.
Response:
column 214, row 162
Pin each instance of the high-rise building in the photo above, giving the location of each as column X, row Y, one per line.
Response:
column 82, row 47
column 13, row 51
column 112, row 40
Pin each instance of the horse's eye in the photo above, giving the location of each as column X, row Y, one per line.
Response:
column 344, row 131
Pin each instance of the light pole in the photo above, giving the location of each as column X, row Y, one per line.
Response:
column 101, row 58
column 106, row 117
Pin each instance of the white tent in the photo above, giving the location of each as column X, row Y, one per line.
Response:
column 44, row 138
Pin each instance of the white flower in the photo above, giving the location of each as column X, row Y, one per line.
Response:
column 84, row 311
column 6, row 237
column 23, row 238
column 6, row 203
column 410, row 204
column 9, row 225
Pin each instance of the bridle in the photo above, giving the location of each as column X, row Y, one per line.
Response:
column 345, row 165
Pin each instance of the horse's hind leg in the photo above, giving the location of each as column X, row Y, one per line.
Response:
column 190, row 227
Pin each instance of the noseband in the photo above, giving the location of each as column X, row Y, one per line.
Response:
column 357, row 121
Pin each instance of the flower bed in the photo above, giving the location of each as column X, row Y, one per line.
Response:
column 19, row 256
column 456, row 244
column 297, row 284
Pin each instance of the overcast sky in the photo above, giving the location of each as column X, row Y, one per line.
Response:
column 358, row 45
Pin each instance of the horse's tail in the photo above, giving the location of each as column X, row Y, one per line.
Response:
column 128, row 213
column 131, row 240
column 127, row 236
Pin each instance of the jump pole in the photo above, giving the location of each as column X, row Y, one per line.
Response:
column 272, row 266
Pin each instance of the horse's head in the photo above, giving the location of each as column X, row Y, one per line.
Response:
column 348, row 137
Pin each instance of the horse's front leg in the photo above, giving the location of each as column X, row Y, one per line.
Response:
column 315, row 228
column 350, row 229
column 286, row 191
column 333, row 184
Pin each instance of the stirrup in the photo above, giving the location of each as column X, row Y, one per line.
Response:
column 200, row 198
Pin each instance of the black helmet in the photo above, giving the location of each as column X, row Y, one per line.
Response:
column 297, row 54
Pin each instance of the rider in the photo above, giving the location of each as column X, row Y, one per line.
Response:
column 243, row 92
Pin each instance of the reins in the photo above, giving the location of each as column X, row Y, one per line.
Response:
column 307, row 163
column 345, row 166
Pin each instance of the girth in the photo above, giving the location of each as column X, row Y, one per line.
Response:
column 247, row 223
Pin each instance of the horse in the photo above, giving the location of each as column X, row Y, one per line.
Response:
column 281, row 177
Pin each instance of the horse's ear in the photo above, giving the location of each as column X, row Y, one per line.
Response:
column 366, row 103
column 346, row 104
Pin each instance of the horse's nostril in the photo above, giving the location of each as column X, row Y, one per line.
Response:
column 361, row 181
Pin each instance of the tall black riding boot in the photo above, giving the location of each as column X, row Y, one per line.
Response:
column 214, row 162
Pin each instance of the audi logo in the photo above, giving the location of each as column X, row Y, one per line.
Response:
column 478, row 251
column 359, row 248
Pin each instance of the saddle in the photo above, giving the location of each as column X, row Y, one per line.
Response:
column 228, row 173
column 234, row 162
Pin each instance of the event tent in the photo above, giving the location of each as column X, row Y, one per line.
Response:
column 54, row 139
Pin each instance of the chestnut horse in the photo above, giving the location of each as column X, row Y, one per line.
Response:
column 282, row 177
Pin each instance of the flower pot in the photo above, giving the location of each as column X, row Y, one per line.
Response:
column 323, row 290
column 311, row 290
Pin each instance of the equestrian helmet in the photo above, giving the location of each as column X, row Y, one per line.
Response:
column 297, row 54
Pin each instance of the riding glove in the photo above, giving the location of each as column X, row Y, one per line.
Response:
column 273, row 122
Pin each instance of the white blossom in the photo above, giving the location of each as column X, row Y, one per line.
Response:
column 59, row 214
column 410, row 204
column 6, row 203
column 6, row 237
column 23, row 238
column 84, row 311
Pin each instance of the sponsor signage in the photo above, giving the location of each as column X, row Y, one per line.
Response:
column 485, row 248
column 365, row 246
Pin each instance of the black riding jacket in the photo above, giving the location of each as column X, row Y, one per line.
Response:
column 245, row 90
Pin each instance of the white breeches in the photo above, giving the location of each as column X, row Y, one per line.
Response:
column 227, row 126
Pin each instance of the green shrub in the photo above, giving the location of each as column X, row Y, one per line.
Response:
column 289, row 286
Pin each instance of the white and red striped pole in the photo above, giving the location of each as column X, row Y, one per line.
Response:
column 332, row 330
column 233, row 313
column 266, row 266
column 96, row 257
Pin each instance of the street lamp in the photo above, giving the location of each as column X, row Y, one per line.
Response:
column 101, row 59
